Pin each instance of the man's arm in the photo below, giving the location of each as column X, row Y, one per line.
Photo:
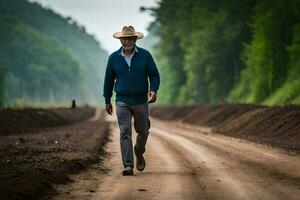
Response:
column 109, row 82
column 153, row 77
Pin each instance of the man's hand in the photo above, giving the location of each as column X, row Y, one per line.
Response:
column 109, row 108
column 151, row 97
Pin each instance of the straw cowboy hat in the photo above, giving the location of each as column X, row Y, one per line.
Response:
column 128, row 31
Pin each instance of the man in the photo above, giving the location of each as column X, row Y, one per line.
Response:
column 127, row 71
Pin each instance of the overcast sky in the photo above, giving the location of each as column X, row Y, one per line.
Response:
column 104, row 17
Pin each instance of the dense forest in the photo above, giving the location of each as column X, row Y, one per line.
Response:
column 213, row 51
column 46, row 58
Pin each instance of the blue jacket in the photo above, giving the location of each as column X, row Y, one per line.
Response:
column 130, row 82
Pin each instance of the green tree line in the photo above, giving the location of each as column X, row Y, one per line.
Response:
column 47, row 57
column 211, row 51
column 38, row 67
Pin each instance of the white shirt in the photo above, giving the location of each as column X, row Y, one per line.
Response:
column 128, row 58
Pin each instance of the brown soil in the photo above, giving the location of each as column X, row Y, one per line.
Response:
column 274, row 126
column 39, row 148
column 39, row 155
column 30, row 120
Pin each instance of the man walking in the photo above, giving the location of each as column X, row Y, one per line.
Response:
column 127, row 71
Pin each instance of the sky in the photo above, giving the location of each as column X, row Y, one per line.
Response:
column 102, row 18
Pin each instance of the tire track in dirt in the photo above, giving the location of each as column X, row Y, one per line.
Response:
column 244, row 170
column 165, row 177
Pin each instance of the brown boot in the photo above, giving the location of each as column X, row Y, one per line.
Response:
column 140, row 162
column 128, row 171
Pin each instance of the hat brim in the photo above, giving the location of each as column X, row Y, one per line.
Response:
column 119, row 35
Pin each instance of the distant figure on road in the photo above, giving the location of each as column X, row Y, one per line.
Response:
column 127, row 71
column 73, row 105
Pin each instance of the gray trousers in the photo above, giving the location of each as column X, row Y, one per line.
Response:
column 140, row 113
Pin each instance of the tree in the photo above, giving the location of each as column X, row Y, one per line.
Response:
column 2, row 86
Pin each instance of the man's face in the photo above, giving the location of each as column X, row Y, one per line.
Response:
column 128, row 42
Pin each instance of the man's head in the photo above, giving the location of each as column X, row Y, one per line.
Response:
column 128, row 37
column 128, row 43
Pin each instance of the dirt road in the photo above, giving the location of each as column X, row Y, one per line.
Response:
column 193, row 163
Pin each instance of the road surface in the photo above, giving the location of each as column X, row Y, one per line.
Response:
column 185, row 162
